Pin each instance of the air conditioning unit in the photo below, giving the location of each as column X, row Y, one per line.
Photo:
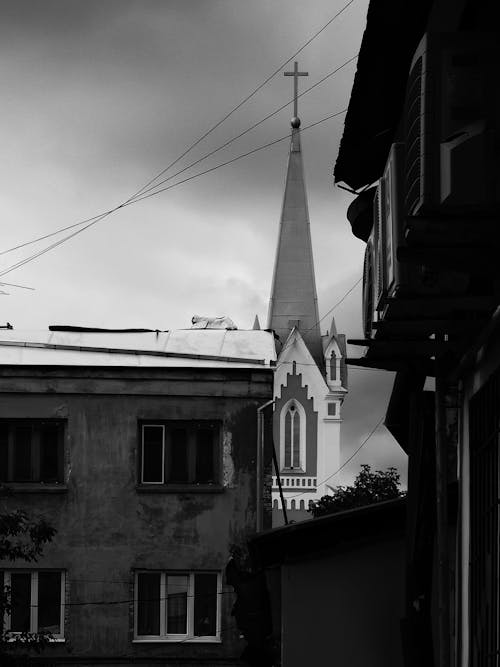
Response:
column 373, row 283
column 391, row 288
column 452, row 125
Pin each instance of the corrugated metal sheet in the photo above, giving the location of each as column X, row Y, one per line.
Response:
column 180, row 348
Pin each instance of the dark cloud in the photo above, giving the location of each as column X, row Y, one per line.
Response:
column 99, row 96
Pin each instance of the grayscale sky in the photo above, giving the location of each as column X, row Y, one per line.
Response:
column 100, row 96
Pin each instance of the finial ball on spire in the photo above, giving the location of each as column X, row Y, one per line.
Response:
column 295, row 122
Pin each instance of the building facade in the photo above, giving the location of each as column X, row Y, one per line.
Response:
column 310, row 379
column 431, row 301
column 142, row 450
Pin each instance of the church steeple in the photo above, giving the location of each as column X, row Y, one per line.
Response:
column 294, row 301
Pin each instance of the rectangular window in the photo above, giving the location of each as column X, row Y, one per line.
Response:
column 332, row 409
column 37, row 601
column 180, row 452
column 177, row 606
column 31, row 450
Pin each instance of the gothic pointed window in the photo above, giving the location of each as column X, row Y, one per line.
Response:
column 333, row 367
column 292, row 437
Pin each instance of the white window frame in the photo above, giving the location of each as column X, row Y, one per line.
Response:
column 162, row 426
column 302, row 451
column 57, row 637
column 188, row 637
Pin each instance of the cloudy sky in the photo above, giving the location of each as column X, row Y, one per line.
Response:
column 99, row 97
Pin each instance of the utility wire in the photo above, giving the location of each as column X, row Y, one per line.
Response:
column 97, row 219
column 345, row 462
column 146, row 188
column 245, row 100
column 321, row 318
column 249, row 129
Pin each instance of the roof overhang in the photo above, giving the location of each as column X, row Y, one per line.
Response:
column 304, row 539
column 393, row 30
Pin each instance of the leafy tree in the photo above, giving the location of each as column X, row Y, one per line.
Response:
column 21, row 538
column 368, row 488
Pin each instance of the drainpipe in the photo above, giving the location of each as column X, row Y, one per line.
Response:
column 260, row 459
column 443, row 575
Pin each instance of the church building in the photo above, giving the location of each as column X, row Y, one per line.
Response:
column 310, row 380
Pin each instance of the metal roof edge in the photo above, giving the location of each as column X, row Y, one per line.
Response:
column 151, row 353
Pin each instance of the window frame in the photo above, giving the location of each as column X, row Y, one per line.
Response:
column 56, row 637
column 191, row 426
column 302, row 444
column 188, row 637
column 35, row 458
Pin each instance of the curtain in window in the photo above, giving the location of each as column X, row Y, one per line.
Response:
column 177, row 592
column 49, row 602
column 148, row 604
column 152, row 453
column 205, row 605
column 204, row 469
column 20, row 594
column 178, row 456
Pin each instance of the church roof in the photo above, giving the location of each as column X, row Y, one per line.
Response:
column 294, row 300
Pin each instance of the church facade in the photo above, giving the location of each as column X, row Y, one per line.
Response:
column 310, row 380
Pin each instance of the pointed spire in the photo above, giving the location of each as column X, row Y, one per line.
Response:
column 256, row 323
column 294, row 301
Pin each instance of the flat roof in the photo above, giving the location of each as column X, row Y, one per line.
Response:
column 193, row 348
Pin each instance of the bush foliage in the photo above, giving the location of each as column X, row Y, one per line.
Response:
column 368, row 488
column 21, row 538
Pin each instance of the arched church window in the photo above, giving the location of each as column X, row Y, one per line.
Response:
column 292, row 437
column 333, row 367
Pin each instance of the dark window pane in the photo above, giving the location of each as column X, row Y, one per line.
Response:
column 178, row 456
column 22, row 453
column 204, row 471
column 4, row 452
column 49, row 602
column 296, row 440
column 20, row 590
column 49, row 453
column 205, row 605
column 288, row 439
column 148, row 606
column 152, row 454
column 177, row 591
column 333, row 366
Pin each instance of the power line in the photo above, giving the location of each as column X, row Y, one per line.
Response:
column 252, row 127
column 345, row 462
column 146, row 188
column 97, row 219
column 324, row 316
column 246, row 99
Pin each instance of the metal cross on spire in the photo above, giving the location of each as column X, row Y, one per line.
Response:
column 295, row 75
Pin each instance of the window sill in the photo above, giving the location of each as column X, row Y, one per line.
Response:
column 54, row 640
column 35, row 487
column 191, row 640
column 179, row 488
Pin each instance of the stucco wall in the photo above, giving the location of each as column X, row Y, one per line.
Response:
column 344, row 608
column 106, row 527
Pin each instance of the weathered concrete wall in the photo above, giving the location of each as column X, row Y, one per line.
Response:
column 107, row 526
column 344, row 609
